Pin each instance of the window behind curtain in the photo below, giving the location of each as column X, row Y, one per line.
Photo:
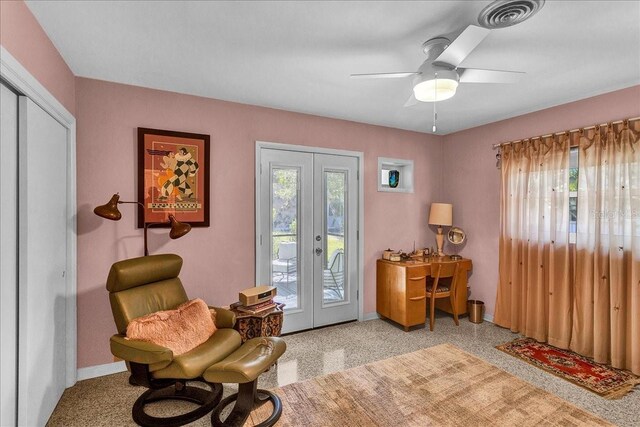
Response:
column 573, row 194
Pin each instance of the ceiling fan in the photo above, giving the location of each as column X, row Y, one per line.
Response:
column 438, row 77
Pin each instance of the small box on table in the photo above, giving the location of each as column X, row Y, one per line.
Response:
column 257, row 295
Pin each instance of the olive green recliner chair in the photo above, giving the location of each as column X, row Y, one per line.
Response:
column 145, row 285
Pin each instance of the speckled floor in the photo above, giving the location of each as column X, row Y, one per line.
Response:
column 108, row 400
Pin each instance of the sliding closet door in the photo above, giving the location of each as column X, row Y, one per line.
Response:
column 42, row 234
column 8, row 254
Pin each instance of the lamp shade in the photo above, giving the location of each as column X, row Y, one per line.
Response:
column 178, row 229
column 110, row 209
column 441, row 214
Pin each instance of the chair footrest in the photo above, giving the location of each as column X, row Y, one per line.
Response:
column 246, row 363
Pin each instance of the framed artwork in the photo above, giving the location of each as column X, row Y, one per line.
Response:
column 173, row 177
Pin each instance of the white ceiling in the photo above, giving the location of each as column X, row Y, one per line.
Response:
column 297, row 56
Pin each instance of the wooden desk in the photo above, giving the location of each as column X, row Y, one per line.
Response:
column 401, row 290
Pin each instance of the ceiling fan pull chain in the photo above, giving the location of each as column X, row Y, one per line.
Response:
column 435, row 99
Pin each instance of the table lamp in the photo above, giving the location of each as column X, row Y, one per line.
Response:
column 440, row 214
column 110, row 211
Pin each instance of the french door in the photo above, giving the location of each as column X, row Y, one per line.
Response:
column 308, row 231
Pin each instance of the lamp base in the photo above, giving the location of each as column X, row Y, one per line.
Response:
column 440, row 241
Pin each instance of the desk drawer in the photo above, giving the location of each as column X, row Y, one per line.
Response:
column 416, row 282
column 416, row 273
column 416, row 295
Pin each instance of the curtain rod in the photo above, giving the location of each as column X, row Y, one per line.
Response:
column 617, row 122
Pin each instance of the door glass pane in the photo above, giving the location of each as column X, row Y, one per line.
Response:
column 284, row 235
column 333, row 273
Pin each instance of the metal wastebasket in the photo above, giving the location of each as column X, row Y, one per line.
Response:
column 475, row 309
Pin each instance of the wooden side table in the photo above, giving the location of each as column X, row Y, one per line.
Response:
column 265, row 324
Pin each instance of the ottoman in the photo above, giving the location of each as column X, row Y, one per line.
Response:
column 243, row 367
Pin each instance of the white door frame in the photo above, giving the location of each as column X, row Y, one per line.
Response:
column 360, row 219
column 8, row 255
column 21, row 79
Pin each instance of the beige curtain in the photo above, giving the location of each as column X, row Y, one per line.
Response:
column 586, row 296
column 606, row 320
column 534, row 293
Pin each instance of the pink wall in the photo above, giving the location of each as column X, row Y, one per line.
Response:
column 473, row 183
column 25, row 39
column 219, row 260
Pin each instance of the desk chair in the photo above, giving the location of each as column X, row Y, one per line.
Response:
column 437, row 289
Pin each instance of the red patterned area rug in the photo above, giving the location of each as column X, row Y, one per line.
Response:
column 608, row 382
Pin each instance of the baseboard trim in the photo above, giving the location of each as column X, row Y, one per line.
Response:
column 370, row 316
column 374, row 315
column 101, row 370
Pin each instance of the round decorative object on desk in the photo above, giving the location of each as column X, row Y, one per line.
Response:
column 456, row 236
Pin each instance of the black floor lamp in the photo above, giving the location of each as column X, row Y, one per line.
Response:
column 110, row 211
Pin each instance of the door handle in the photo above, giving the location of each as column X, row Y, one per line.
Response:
column 318, row 251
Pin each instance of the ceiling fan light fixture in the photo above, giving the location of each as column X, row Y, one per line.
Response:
column 435, row 90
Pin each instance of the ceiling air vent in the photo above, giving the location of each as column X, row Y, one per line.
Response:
column 505, row 13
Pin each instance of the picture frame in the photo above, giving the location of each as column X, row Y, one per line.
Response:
column 173, row 177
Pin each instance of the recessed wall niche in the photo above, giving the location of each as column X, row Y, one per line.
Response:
column 405, row 169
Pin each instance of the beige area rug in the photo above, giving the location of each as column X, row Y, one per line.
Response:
column 439, row 386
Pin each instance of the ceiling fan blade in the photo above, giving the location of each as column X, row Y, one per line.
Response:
column 476, row 75
column 384, row 75
column 411, row 101
column 463, row 45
